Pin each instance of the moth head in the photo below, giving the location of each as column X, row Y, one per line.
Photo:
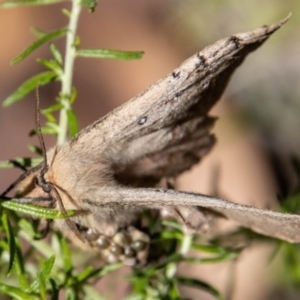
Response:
column 36, row 183
column 38, row 188
column 40, row 181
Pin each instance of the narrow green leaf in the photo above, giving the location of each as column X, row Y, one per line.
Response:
column 29, row 85
column 35, row 149
column 44, row 39
column 16, row 3
column 200, row 285
column 66, row 12
column 105, row 53
column 91, row 4
column 98, row 273
column 20, row 270
column 66, row 254
column 291, row 204
column 216, row 259
column 77, row 41
column 16, row 261
column 85, row 274
column 73, row 95
column 17, row 293
column 51, row 64
column 70, row 294
column 54, row 288
column 42, row 247
column 72, row 122
column 291, row 262
column 51, row 118
column 56, row 54
column 209, row 249
column 108, row 269
column 11, row 241
column 49, row 130
column 173, row 258
column 38, row 32
column 52, row 109
column 37, row 211
column 172, row 235
column 23, row 161
column 27, row 226
column 52, row 126
column 48, row 112
column 44, row 274
column 42, row 287
column 173, row 224
column 52, row 129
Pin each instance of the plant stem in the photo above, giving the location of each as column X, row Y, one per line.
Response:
column 185, row 247
column 66, row 87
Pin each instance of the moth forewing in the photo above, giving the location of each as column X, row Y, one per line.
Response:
column 195, row 86
column 186, row 93
column 108, row 169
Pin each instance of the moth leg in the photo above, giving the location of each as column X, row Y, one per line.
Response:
column 44, row 231
column 49, row 201
column 193, row 218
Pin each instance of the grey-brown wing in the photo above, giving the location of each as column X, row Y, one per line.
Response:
column 279, row 225
column 187, row 143
column 140, row 136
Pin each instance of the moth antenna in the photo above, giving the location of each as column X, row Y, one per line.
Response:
column 45, row 168
column 44, row 165
column 39, row 131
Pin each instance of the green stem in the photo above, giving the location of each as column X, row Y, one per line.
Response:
column 66, row 87
column 185, row 247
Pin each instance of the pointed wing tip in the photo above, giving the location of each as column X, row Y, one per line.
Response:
column 283, row 21
column 260, row 34
column 276, row 26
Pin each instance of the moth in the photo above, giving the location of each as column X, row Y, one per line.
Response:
column 111, row 169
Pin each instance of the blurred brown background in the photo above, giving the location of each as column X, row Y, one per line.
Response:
column 258, row 115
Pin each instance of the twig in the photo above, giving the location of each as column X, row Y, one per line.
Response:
column 185, row 247
column 66, row 87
